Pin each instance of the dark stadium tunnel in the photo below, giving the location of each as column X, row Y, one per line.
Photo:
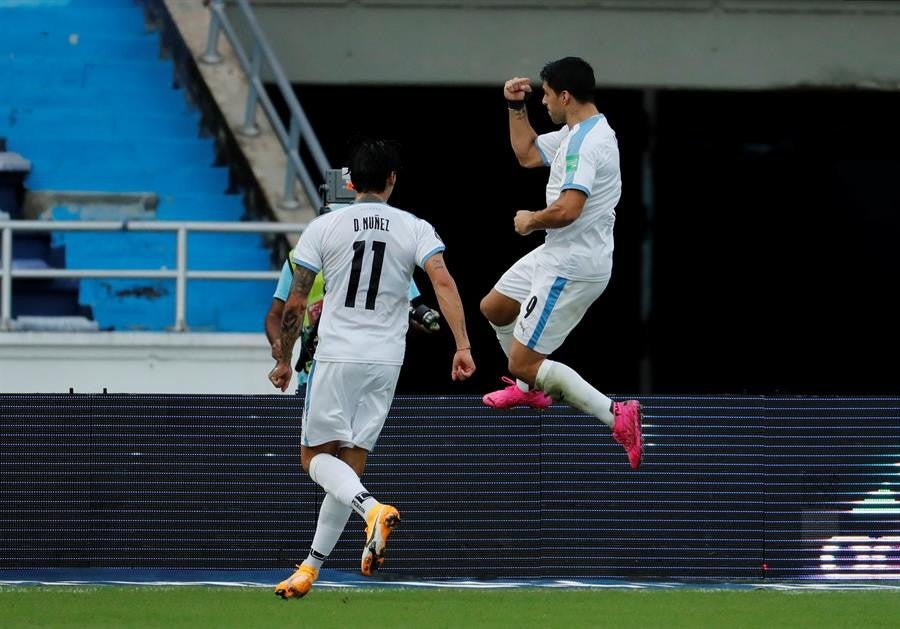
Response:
column 771, row 232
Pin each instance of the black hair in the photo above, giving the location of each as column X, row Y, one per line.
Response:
column 573, row 75
column 371, row 162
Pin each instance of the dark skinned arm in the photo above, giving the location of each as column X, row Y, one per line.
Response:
column 291, row 324
column 273, row 327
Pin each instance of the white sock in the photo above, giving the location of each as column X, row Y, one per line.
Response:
column 335, row 477
column 564, row 384
column 338, row 479
column 505, row 335
column 333, row 516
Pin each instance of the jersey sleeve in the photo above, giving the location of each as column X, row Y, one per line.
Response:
column 548, row 143
column 428, row 242
column 284, row 283
column 583, row 162
column 308, row 252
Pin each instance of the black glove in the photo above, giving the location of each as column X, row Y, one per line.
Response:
column 425, row 318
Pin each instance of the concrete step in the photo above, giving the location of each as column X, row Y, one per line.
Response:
column 53, row 321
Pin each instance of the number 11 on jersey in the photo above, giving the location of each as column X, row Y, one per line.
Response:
column 359, row 250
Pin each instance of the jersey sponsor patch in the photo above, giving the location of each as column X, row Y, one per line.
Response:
column 571, row 163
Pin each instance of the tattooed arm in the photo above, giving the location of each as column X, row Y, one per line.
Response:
column 451, row 307
column 291, row 323
column 273, row 326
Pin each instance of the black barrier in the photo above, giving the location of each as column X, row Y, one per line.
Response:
column 732, row 487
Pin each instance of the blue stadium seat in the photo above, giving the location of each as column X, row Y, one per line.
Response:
column 51, row 122
column 73, row 17
column 85, row 96
column 114, row 100
column 122, row 179
column 144, row 152
column 42, row 41
column 201, row 207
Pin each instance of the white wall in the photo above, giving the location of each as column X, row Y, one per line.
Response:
column 129, row 362
column 720, row 44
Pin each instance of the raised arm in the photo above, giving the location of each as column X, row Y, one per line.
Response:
column 521, row 134
column 451, row 308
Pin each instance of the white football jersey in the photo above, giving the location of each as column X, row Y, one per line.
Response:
column 367, row 253
column 585, row 158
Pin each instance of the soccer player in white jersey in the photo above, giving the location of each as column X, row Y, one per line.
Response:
column 421, row 319
column 367, row 253
column 544, row 295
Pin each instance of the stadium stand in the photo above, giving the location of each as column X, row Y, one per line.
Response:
column 87, row 97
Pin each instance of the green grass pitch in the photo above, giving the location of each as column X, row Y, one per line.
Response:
column 104, row 606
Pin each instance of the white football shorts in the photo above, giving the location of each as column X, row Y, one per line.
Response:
column 551, row 306
column 347, row 402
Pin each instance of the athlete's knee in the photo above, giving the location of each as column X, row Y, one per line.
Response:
column 487, row 308
column 304, row 462
column 355, row 458
column 307, row 454
column 499, row 309
column 305, row 458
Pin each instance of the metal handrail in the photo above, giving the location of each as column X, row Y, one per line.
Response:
column 180, row 274
column 300, row 128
